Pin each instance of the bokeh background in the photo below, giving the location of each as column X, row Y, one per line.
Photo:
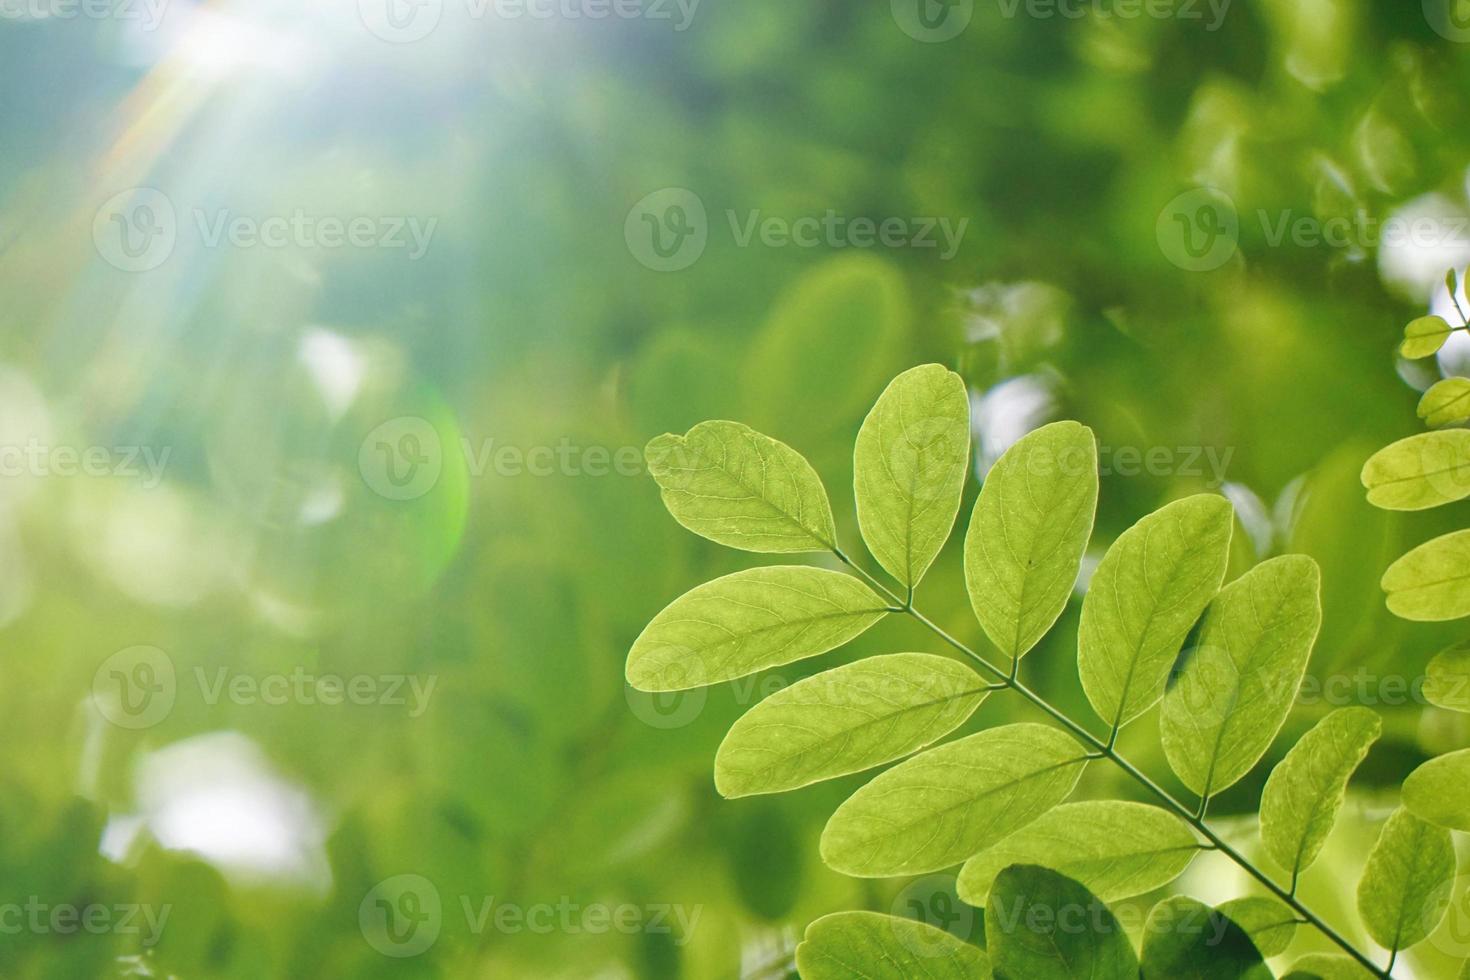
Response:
column 330, row 332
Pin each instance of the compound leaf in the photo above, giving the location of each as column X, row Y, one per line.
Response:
column 1422, row 471
column 1187, row 940
column 1028, row 531
column 1237, row 685
column 1439, row 791
column 1041, row 925
column 884, row 947
column 1269, row 923
column 1305, row 790
column 1327, row 966
column 846, row 720
column 1114, row 849
column 731, row 484
column 938, row 808
column 748, row 621
column 1446, row 402
column 1407, row 881
column 1147, row 592
column 1432, row 582
column 1447, row 678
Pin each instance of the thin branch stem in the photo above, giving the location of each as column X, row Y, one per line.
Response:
column 1105, row 750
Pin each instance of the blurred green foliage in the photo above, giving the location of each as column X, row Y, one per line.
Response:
column 533, row 778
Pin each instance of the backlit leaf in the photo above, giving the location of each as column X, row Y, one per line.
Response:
column 1187, row 940
column 909, row 469
column 1041, row 925
column 1432, row 582
column 1446, row 402
column 884, row 947
column 1447, row 678
column 748, row 621
column 1238, row 684
column 733, row 485
column 1114, row 849
column 1439, row 791
column 1327, row 966
column 1028, row 531
column 1270, row 924
column 1422, row 471
column 1305, row 790
column 938, row 808
column 1424, row 336
column 1407, row 881
column 845, row 720
column 1147, row 592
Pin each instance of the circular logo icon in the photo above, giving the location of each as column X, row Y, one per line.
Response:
column 401, row 916
column 135, row 688
column 1449, row 18
column 667, row 230
column 932, row 21
column 666, row 709
column 926, row 449
column 933, row 901
column 136, row 231
column 400, row 21
column 1451, row 935
column 1199, row 230
column 402, row 458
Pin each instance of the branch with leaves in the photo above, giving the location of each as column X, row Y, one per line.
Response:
column 995, row 802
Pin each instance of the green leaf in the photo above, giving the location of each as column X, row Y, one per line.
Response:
column 846, row 720
column 1327, row 966
column 1424, row 336
column 883, row 947
column 1406, row 884
column 727, row 482
column 1040, row 925
column 748, row 621
column 1028, row 531
column 1439, row 791
column 1270, row 924
column 1447, row 678
column 1305, row 790
column 1238, row 684
column 909, row 469
column 1420, row 472
column 1432, row 582
column 1114, row 849
column 1446, row 402
column 1147, row 592
column 1187, row 940
column 938, row 808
